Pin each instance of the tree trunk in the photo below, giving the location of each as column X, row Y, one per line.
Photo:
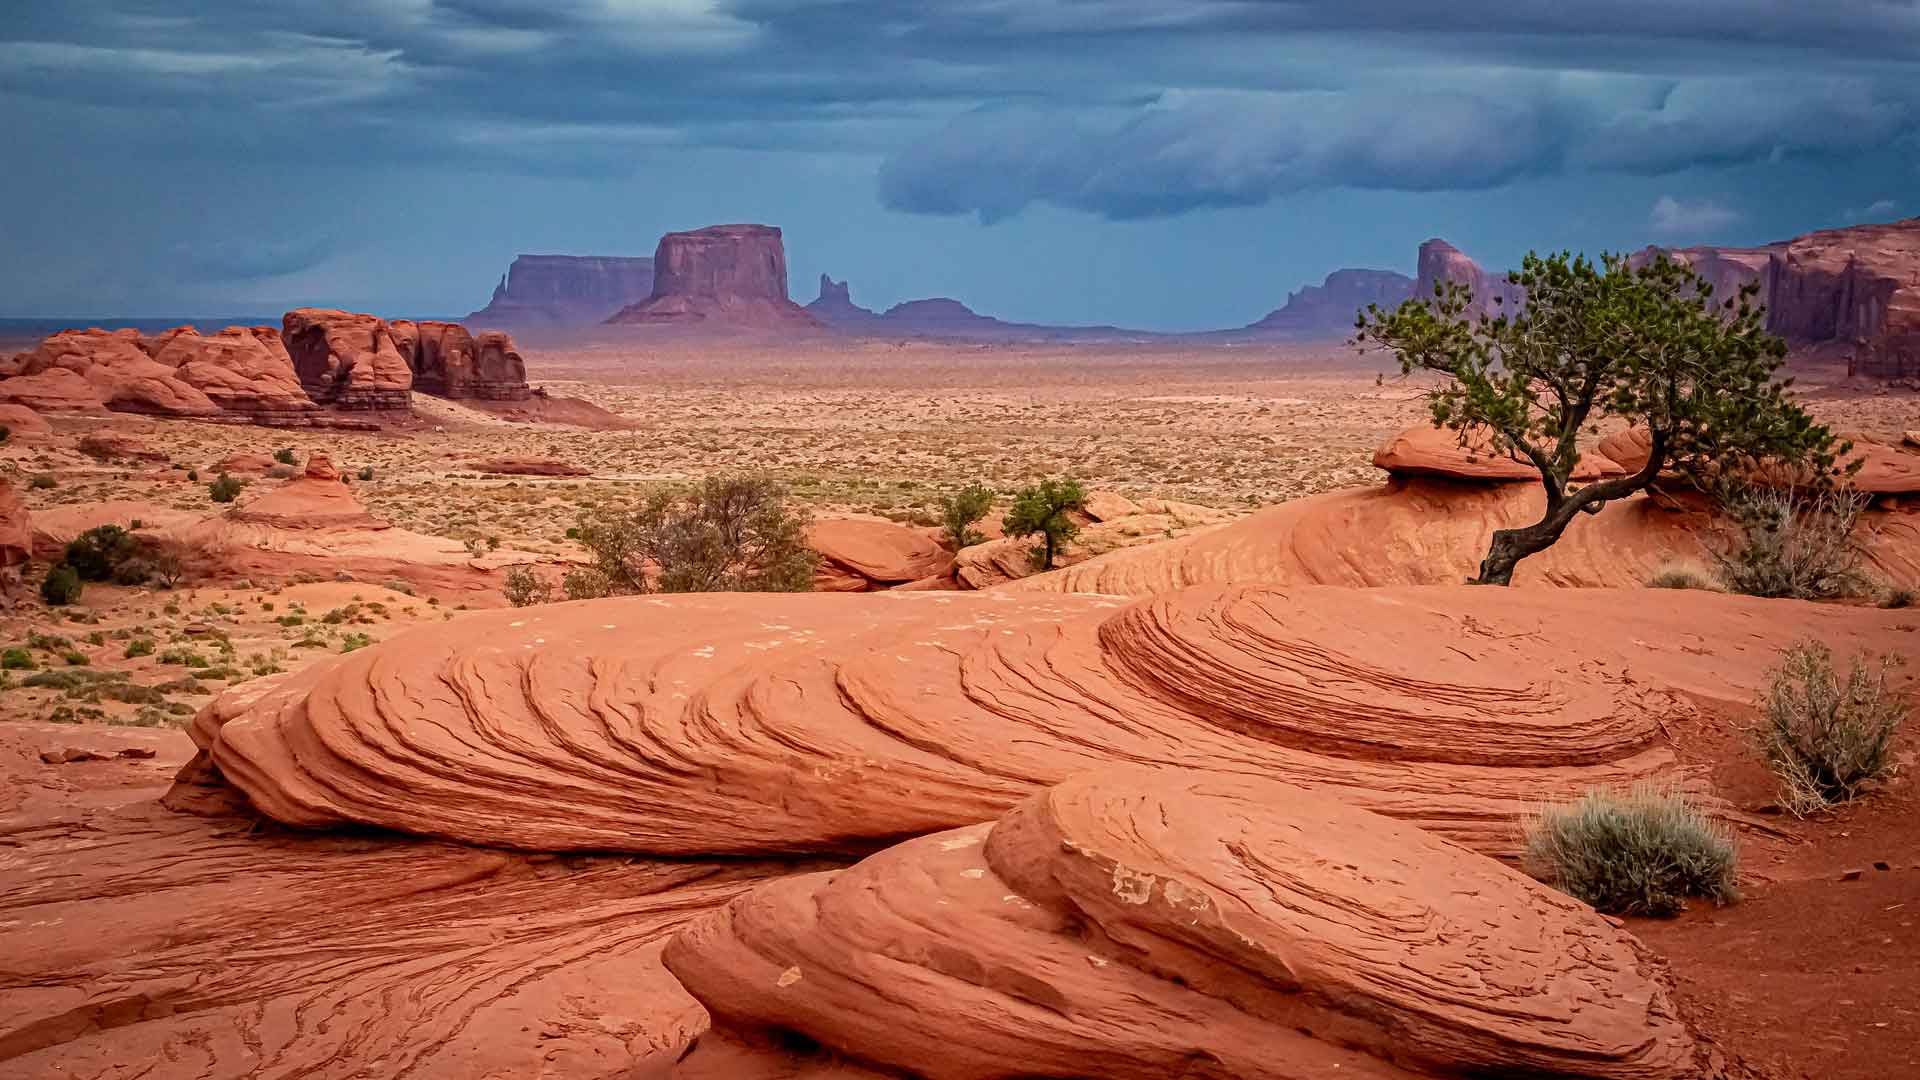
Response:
column 1511, row 545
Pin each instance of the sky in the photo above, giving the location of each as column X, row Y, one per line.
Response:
column 1162, row 164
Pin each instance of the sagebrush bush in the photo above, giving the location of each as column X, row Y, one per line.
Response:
column 1792, row 544
column 1826, row 738
column 1898, row 597
column 1645, row 852
column 1681, row 576
column 524, row 588
column 100, row 552
column 224, row 488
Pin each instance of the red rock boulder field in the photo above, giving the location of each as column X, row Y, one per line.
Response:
column 347, row 360
column 1135, row 923
column 722, row 276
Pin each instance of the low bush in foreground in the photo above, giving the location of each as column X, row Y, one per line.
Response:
column 1645, row 852
column 1681, row 576
column 1792, row 544
column 1827, row 738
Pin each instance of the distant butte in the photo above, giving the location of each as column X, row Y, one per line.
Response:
column 720, row 277
column 553, row 291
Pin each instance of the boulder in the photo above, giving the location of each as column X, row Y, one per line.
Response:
column 107, row 446
column 243, row 464
column 1857, row 286
column 719, row 277
column 860, row 555
column 1328, row 309
column 117, row 370
column 1440, row 261
column 19, row 420
column 347, row 360
column 1425, row 450
column 1128, row 924
column 565, row 290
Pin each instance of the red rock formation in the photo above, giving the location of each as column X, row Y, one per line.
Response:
column 315, row 500
column 21, row 421
column 1441, row 261
column 720, row 276
column 241, row 464
column 241, row 369
column 108, row 446
column 1727, row 269
column 347, row 360
column 1131, row 924
column 861, row 555
column 1425, row 450
column 835, row 306
column 117, row 373
column 1329, row 309
column 565, row 290
column 16, row 541
column 449, row 362
column 1858, row 286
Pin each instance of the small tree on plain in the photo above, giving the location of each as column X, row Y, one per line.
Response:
column 1648, row 345
column 1042, row 509
column 731, row 534
column 963, row 509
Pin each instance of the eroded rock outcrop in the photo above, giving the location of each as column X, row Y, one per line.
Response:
column 448, row 361
column 1440, row 261
column 863, row 555
column 16, row 541
column 565, row 290
column 835, row 306
column 718, row 277
column 1727, row 269
column 1425, row 450
column 1328, row 309
column 347, row 360
column 241, row 369
column 1144, row 924
column 88, row 370
column 1857, row 286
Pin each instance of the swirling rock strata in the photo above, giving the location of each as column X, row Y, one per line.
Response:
column 1145, row 924
column 719, row 724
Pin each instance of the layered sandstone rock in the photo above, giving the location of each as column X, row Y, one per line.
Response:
column 16, row 541
column 113, row 371
column 565, row 290
column 718, row 277
column 347, row 360
column 1425, row 450
column 1441, row 261
column 241, row 369
column 1329, row 309
column 22, row 422
column 1134, row 923
column 730, row 723
column 1857, row 286
column 448, row 361
column 862, row 555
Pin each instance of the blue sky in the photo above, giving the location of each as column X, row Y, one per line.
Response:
column 1154, row 164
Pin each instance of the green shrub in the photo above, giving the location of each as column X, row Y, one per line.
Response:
column 1642, row 853
column 193, row 476
column 730, row 534
column 100, row 551
column 1043, row 509
column 285, row 456
column 17, row 659
column 224, row 489
column 1826, row 738
column 62, row 586
column 351, row 642
column 188, row 657
column 75, row 658
column 960, row 511
column 524, row 588
column 138, row 647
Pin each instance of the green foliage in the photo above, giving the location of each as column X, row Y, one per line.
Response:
column 1792, row 544
column 1042, row 509
column 224, row 488
column 17, row 659
column 524, row 588
column 1649, row 345
column 75, row 658
column 100, row 551
column 731, row 534
column 138, row 647
column 62, row 586
column 960, row 511
column 193, row 476
column 187, row 657
column 351, row 642
column 1643, row 853
column 1826, row 738
column 285, row 456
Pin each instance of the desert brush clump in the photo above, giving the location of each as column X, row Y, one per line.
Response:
column 99, row 553
column 961, row 511
column 1650, row 344
column 1678, row 575
column 1645, row 852
column 524, row 588
column 61, row 586
column 1043, row 509
column 730, row 534
column 1791, row 544
column 1826, row 737
column 224, row 488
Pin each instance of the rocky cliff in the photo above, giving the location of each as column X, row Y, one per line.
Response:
column 835, row 306
column 449, row 361
column 1441, row 261
column 722, row 276
column 347, row 359
column 1328, row 309
column 565, row 290
column 1858, row 287
column 1728, row 269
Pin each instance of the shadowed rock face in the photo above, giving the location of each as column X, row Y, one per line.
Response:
column 722, row 275
column 347, row 359
column 1727, row 269
column 449, row 361
column 1328, row 309
column 1858, row 286
column 1441, row 261
column 1136, row 924
column 565, row 290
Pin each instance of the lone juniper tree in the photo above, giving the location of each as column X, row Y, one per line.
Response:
column 1649, row 345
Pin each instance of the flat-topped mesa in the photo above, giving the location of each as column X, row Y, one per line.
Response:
column 1329, row 308
column 449, row 361
column 348, row 360
column 1441, row 261
column 722, row 275
column 1858, row 286
column 566, row 290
